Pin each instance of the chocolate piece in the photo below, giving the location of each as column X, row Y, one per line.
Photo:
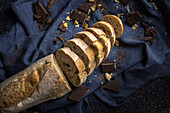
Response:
column 79, row 16
column 108, row 66
column 85, row 7
column 78, row 93
column 134, row 18
column 40, row 12
column 62, row 27
column 50, row 3
column 124, row 2
column 60, row 37
column 113, row 86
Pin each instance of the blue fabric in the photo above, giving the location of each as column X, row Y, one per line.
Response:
column 24, row 43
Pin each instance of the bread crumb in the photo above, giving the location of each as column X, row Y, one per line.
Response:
column 154, row 5
column 68, row 18
column 77, row 25
column 89, row 81
column 88, row 18
column 117, row 7
column 117, row 1
column 108, row 76
column 121, row 14
column 95, row 75
column 117, row 43
column 93, row 8
column 67, row 13
column 134, row 27
column 91, row 0
column 128, row 9
column 66, row 25
column 102, row 83
column 76, row 22
column 85, row 25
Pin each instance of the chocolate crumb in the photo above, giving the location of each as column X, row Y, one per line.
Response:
column 49, row 20
column 50, row 3
column 60, row 37
column 55, row 41
column 62, row 27
column 148, row 39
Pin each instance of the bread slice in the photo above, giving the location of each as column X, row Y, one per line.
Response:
column 86, row 54
column 101, row 36
column 72, row 66
column 94, row 43
column 39, row 82
column 108, row 29
column 116, row 24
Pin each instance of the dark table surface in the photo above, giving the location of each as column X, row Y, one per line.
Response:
column 153, row 97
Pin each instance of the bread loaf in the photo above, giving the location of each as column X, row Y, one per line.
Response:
column 101, row 36
column 94, row 43
column 108, row 29
column 41, row 81
column 85, row 53
column 116, row 24
column 72, row 66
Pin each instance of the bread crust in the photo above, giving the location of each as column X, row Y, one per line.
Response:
column 34, row 85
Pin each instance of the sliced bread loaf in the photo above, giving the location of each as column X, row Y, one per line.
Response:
column 116, row 24
column 101, row 36
column 72, row 66
column 85, row 53
column 108, row 29
column 94, row 43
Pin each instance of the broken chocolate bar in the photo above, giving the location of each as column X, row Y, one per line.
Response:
column 124, row 2
column 79, row 16
column 134, row 18
column 85, row 7
column 108, row 66
column 78, row 93
column 113, row 86
column 40, row 12
column 62, row 27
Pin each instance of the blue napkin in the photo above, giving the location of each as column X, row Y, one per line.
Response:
column 23, row 43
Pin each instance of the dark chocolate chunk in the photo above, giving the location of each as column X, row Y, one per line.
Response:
column 124, row 2
column 113, row 86
column 50, row 3
column 108, row 66
column 79, row 16
column 78, row 93
column 40, row 12
column 134, row 18
column 85, row 7
column 62, row 27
